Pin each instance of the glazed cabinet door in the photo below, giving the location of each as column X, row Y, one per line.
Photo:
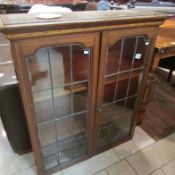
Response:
column 58, row 83
column 123, row 64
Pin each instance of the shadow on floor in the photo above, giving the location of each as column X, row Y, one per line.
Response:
column 159, row 119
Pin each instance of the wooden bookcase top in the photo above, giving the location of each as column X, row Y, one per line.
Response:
column 17, row 23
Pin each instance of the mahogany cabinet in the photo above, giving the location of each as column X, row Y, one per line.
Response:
column 82, row 79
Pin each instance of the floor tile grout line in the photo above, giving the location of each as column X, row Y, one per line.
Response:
column 101, row 171
column 107, row 166
column 107, row 171
column 136, row 144
column 120, row 159
column 112, row 149
column 149, row 146
column 112, row 165
column 162, row 167
column 116, row 154
column 104, row 169
column 132, row 167
column 134, row 152
column 166, row 164
column 163, row 171
column 155, row 171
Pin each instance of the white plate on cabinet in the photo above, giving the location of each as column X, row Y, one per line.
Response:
column 48, row 16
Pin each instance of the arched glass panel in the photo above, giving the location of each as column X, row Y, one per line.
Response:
column 123, row 72
column 59, row 78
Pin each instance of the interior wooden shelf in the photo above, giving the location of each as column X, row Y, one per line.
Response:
column 58, row 92
column 117, row 114
column 41, row 95
column 45, row 110
column 114, row 127
column 58, row 131
column 68, row 150
column 122, row 77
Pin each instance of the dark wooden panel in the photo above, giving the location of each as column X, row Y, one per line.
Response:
column 159, row 120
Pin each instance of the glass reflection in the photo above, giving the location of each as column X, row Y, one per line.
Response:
column 123, row 74
column 59, row 78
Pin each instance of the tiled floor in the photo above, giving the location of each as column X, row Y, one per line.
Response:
column 140, row 156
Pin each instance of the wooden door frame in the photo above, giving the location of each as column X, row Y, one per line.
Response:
column 27, row 47
column 110, row 37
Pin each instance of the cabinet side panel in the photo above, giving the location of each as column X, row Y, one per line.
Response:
column 24, row 85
